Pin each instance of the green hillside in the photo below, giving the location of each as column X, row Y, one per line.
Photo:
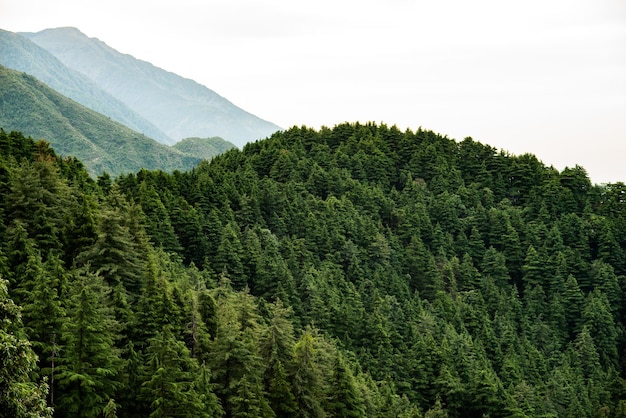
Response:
column 180, row 107
column 205, row 148
column 30, row 106
column 358, row 271
column 21, row 54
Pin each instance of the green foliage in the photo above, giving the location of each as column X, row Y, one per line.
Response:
column 19, row 396
column 170, row 379
column 89, row 364
column 205, row 148
column 28, row 105
column 354, row 271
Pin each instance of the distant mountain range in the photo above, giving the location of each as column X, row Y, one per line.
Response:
column 109, row 109
column 30, row 106
column 21, row 54
column 178, row 107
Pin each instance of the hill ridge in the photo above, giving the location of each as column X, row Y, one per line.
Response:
column 179, row 106
column 19, row 53
column 30, row 106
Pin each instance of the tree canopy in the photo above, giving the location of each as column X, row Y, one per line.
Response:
column 358, row 271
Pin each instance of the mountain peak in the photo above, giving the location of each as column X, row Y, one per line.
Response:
column 18, row 52
column 179, row 107
column 65, row 31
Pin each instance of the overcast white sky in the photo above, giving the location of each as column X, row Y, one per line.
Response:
column 541, row 76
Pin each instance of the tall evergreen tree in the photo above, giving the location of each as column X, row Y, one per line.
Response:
column 20, row 397
column 345, row 399
column 276, row 348
column 89, row 364
column 307, row 378
column 170, row 375
column 234, row 357
column 229, row 256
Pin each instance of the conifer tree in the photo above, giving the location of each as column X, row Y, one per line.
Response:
column 20, row 248
column 345, row 399
column 89, row 364
column 234, row 354
column 20, row 397
column 39, row 199
column 598, row 320
column 169, row 386
column 158, row 224
column 132, row 377
column 533, row 269
column 114, row 255
column 307, row 378
column 574, row 300
column 42, row 294
column 206, row 390
column 276, row 348
column 156, row 306
column 494, row 266
column 81, row 230
column 229, row 256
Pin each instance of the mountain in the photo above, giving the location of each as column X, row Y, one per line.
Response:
column 205, row 148
column 28, row 105
column 354, row 271
column 21, row 54
column 180, row 107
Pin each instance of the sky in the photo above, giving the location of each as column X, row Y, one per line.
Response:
column 546, row 77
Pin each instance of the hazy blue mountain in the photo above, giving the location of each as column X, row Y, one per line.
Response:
column 21, row 54
column 178, row 106
column 29, row 106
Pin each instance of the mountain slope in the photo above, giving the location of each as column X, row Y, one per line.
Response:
column 21, row 54
column 205, row 148
column 179, row 107
column 472, row 282
column 28, row 105
column 356, row 271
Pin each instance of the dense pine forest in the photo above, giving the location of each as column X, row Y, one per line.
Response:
column 358, row 271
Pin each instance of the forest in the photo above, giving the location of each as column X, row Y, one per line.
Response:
column 353, row 271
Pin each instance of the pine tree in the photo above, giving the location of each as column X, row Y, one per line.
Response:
column 156, row 306
column 234, row 354
column 20, row 249
column 468, row 276
column 89, row 365
column 494, row 266
column 229, row 256
column 276, row 348
column 158, row 224
column 206, row 390
column 534, row 269
column 132, row 377
column 345, row 399
column 42, row 294
column 114, row 255
column 20, row 397
column 169, row 386
column 598, row 319
column 307, row 378
column 574, row 300
column 39, row 199
column 81, row 230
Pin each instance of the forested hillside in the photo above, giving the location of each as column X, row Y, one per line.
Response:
column 205, row 148
column 19, row 53
column 28, row 105
column 346, row 272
